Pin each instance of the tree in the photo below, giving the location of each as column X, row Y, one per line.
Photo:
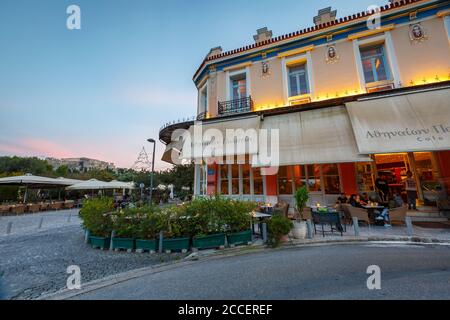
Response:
column 62, row 171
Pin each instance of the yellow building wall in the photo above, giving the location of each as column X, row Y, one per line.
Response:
column 340, row 77
column 426, row 59
column 267, row 89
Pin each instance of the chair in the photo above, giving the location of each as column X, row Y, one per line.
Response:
column 359, row 213
column 18, row 209
column 398, row 214
column 281, row 209
column 56, row 206
column 69, row 204
column 34, row 208
column 322, row 219
column 347, row 216
column 4, row 210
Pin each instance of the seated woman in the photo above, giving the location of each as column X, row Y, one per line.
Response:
column 354, row 201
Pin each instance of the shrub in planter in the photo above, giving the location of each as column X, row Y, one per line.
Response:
column 97, row 218
column 148, row 228
column 278, row 226
column 301, row 197
column 175, row 226
column 240, row 238
column 209, row 241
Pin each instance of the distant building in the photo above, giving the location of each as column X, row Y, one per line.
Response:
column 80, row 164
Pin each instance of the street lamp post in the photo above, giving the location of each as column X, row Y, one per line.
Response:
column 153, row 169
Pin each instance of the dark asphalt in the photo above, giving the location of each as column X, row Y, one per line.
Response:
column 330, row 272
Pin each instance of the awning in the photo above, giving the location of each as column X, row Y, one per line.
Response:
column 92, row 184
column 314, row 137
column 224, row 137
column 402, row 123
column 37, row 182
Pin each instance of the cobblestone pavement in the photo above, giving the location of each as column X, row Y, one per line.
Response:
column 34, row 262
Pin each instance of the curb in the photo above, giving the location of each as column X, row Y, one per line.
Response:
column 198, row 257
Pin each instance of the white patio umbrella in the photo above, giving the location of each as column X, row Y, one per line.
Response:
column 31, row 181
column 68, row 182
column 122, row 185
column 92, row 184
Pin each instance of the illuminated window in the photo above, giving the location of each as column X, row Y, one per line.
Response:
column 300, row 176
column 285, row 180
column 332, row 183
column 374, row 63
column 238, row 87
column 258, row 188
column 235, row 179
column 313, row 178
column 224, row 179
column 298, row 80
column 246, row 178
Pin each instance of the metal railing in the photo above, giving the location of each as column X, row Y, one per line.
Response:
column 235, row 106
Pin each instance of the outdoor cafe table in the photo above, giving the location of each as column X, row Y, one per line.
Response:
column 371, row 211
column 259, row 216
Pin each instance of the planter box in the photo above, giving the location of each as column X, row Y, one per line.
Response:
column 146, row 245
column 123, row 243
column 99, row 242
column 176, row 244
column 241, row 238
column 209, row 242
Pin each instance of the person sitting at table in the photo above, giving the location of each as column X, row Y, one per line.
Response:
column 354, row 202
column 384, row 216
column 342, row 199
column 361, row 201
column 383, row 187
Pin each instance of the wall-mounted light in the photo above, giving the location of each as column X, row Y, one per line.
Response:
column 265, row 67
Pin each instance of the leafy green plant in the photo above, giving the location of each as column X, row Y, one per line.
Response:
column 301, row 197
column 278, row 226
column 96, row 216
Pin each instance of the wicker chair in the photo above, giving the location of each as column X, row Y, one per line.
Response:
column 34, row 208
column 281, row 209
column 56, row 206
column 18, row 209
column 4, row 210
column 69, row 204
column 359, row 213
column 398, row 214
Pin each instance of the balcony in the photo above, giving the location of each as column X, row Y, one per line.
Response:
column 235, row 106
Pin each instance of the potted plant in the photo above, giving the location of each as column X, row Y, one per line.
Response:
column 175, row 232
column 301, row 197
column 238, row 221
column 124, row 226
column 97, row 220
column 279, row 227
column 147, row 230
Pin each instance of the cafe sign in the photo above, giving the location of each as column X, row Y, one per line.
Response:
column 403, row 123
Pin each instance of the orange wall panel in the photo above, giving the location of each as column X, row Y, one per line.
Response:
column 348, row 178
column 271, row 185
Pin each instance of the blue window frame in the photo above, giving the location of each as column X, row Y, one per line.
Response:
column 298, row 80
column 374, row 63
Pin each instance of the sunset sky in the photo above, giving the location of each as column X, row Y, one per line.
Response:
column 101, row 91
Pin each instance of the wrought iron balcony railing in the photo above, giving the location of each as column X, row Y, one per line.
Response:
column 236, row 106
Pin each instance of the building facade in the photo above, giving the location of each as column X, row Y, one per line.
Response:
column 352, row 98
column 81, row 164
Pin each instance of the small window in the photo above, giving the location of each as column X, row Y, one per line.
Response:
column 238, row 87
column 258, row 185
column 298, row 80
column 447, row 25
column 235, row 179
column 204, row 99
column 246, row 168
column 374, row 64
column 313, row 178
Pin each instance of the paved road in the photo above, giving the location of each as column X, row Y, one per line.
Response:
column 34, row 262
column 334, row 272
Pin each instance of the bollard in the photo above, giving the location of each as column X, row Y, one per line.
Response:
column 161, row 238
column 309, row 228
column 86, row 236
column 111, row 246
column 41, row 221
column 264, row 232
column 8, row 228
column 409, row 226
column 356, row 226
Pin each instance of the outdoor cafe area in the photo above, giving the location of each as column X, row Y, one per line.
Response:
column 37, row 193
